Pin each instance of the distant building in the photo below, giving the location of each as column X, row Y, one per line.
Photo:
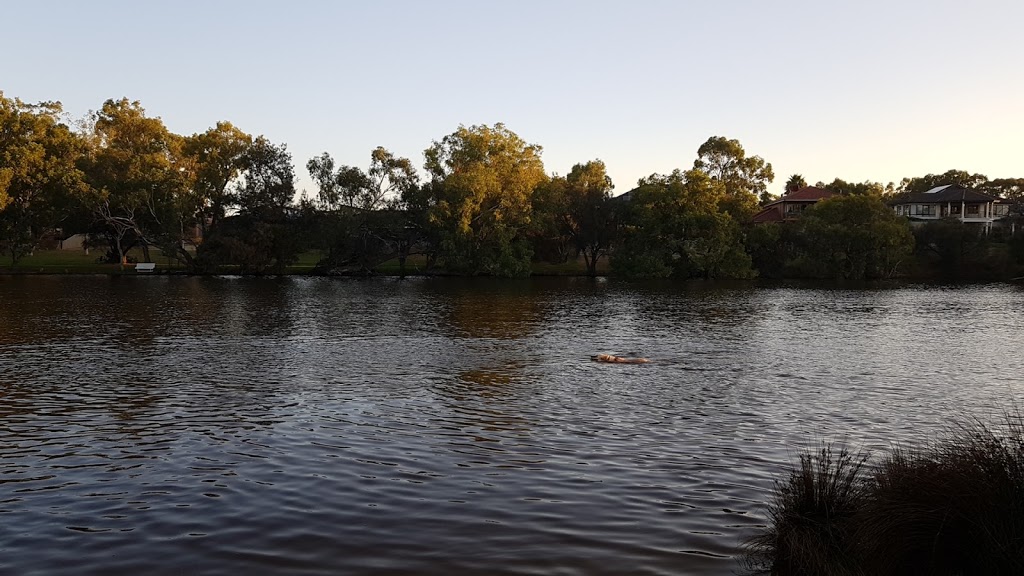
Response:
column 792, row 205
column 952, row 201
column 76, row 242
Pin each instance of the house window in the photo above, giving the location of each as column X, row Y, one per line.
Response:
column 922, row 209
column 972, row 210
column 1000, row 210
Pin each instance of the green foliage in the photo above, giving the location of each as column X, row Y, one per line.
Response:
column 852, row 237
column 926, row 183
column 40, row 184
column 483, row 180
column 576, row 212
column 864, row 188
column 268, row 233
column 953, row 250
column 367, row 217
column 214, row 160
column 488, row 207
column 744, row 178
column 253, row 245
column 268, row 180
column 1011, row 189
column 672, row 226
column 133, row 172
column 771, row 247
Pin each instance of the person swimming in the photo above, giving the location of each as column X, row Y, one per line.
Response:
column 610, row 358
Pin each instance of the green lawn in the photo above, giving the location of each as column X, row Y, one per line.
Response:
column 78, row 262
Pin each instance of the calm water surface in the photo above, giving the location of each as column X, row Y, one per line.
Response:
column 156, row 425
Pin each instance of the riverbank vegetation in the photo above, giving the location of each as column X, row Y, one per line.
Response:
column 956, row 507
column 226, row 201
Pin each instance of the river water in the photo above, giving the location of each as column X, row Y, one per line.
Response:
column 172, row 425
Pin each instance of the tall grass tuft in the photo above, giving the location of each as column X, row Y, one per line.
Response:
column 812, row 518
column 955, row 507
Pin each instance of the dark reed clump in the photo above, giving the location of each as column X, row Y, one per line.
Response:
column 956, row 507
column 813, row 516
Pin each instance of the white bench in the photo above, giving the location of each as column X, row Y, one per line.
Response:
column 145, row 267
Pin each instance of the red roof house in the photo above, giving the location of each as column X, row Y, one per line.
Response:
column 790, row 206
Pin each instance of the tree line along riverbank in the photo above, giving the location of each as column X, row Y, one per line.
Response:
column 224, row 201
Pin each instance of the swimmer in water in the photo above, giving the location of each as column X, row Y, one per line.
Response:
column 619, row 359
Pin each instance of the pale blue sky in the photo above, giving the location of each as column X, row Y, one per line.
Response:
column 865, row 90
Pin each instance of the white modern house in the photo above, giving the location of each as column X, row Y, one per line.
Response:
column 952, row 201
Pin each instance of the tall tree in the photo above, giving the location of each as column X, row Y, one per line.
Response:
column 131, row 167
column 484, row 178
column 40, row 183
column 673, row 226
column 215, row 160
column 391, row 178
column 1011, row 189
column 925, row 183
column 363, row 214
column 574, row 215
column 587, row 216
column 265, row 235
column 865, row 188
column 744, row 178
column 382, row 184
column 267, row 187
column 853, row 237
column 344, row 187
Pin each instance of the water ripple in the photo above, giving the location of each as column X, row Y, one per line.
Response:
column 308, row 426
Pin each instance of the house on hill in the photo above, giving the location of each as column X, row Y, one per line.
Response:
column 952, row 201
column 790, row 206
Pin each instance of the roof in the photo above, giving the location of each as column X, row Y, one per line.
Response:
column 807, row 194
column 769, row 214
column 948, row 193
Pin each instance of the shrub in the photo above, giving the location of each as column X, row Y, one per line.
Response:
column 956, row 507
column 813, row 516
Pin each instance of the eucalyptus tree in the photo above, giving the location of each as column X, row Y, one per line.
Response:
column 483, row 180
column 745, row 178
column 383, row 184
column 581, row 207
column 364, row 217
column 852, row 237
column 929, row 181
column 866, row 188
column 215, row 159
column 40, row 183
column 267, row 186
column 344, row 187
column 674, row 225
column 265, row 235
column 132, row 167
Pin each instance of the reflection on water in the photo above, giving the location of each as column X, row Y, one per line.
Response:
column 265, row 426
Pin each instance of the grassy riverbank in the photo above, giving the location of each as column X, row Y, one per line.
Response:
column 956, row 507
column 78, row 262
